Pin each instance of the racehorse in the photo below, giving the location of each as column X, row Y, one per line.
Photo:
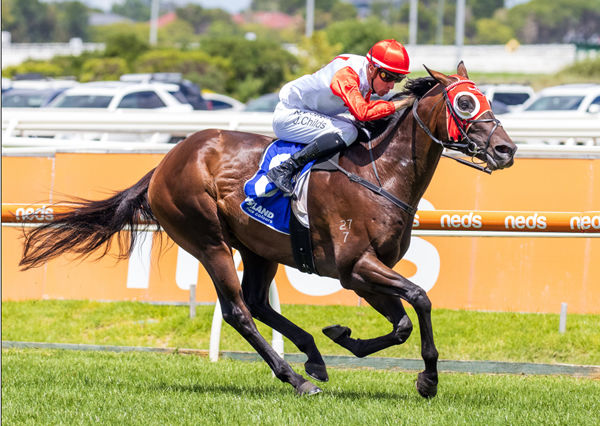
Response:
column 195, row 193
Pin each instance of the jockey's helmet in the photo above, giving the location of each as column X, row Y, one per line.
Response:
column 389, row 55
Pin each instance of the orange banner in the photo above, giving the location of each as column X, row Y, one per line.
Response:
column 525, row 274
column 441, row 220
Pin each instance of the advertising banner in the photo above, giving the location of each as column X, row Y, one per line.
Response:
column 525, row 273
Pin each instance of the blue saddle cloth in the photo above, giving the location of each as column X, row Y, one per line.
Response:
column 264, row 201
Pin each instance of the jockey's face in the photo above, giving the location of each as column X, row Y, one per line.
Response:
column 379, row 86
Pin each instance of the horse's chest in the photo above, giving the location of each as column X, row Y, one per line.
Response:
column 391, row 241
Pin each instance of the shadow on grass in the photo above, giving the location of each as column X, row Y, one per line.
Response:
column 260, row 390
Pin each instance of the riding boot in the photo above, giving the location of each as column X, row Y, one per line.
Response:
column 323, row 146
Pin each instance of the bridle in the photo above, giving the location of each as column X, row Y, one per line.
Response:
column 463, row 142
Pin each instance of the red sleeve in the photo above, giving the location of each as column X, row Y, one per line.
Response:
column 345, row 84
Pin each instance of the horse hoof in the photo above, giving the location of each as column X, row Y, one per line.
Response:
column 316, row 371
column 426, row 387
column 336, row 332
column 307, row 388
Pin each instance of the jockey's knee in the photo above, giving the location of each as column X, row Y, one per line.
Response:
column 349, row 134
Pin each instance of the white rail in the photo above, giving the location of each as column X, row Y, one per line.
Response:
column 76, row 128
column 65, row 123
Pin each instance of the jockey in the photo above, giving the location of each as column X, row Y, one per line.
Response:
column 309, row 107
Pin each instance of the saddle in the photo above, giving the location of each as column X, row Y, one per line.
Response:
column 288, row 215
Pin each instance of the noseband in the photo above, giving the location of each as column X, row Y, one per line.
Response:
column 463, row 142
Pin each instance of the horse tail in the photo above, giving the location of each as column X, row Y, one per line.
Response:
column 90, row 225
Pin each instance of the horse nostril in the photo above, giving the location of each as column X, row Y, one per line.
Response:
column 505, row 149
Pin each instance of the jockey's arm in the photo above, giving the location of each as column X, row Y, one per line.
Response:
column 345, row 84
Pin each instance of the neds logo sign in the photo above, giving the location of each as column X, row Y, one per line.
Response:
column 534, row 221
column 585, row 222
column 31, row 214
column 470, row 220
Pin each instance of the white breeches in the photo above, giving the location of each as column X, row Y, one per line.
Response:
column 303, row 126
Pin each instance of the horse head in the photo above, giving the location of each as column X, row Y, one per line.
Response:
column 469, row 125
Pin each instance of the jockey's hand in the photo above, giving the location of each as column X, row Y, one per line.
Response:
column 403, row 103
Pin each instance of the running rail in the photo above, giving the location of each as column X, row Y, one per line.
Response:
column 426, row 222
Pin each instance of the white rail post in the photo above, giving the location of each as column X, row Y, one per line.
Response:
column 217, row 323
column 277, row 341
column 215, row 333
column 192, row 300
column 562, row 325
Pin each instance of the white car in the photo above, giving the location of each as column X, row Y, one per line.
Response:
column 555, row 115
column 568, row 100
column 115, row 95
column 506, row 97
column 217, row 102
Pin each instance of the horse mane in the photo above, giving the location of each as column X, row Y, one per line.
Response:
column 414, row 88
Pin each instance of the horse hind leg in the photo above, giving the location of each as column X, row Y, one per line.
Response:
column 258, row 275
column 219, row 265
column 389, row 307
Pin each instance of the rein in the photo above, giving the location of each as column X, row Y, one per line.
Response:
column 469, row 147
column 376, row 189
column 371, row 186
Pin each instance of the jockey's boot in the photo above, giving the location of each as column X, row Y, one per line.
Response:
column 324, row 146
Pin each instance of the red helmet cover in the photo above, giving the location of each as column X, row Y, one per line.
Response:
column 389, row 55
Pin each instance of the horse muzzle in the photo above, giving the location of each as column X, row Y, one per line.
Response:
column 500, row 154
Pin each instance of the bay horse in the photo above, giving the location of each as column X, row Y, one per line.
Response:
column 195, row 193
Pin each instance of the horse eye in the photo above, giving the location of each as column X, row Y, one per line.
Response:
column 464, row 104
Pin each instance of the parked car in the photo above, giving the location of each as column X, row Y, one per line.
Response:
column 29, row 98
column 113, row 95
column 6, row 84
column 217, row 101
column 568, row 100
column 185, row 88
column 506, row 97
column 264, row 103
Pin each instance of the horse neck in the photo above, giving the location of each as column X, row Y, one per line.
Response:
column 408, row 156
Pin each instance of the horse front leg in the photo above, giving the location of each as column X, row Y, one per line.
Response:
column 392, row 309
column 371, row 275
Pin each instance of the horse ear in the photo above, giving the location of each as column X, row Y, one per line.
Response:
column 462, row 70
column 442, row 78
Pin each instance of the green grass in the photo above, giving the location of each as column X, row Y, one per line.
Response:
column 72, row 387
column 459, row 335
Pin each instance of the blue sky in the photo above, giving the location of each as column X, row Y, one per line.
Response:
column 231, row 6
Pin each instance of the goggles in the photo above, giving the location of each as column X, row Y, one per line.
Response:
column 388, row 77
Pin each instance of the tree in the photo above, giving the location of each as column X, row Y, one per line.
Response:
column 29, row 21
column 37, row 67
column 291, row 7
column 201, row 19
column 491, row 31
column 259, row 66
column 343, row 11
column 484, row 8
column 358, row 36
column 553, row 21
column 315, row 52
column 208, row 71
column 138, row 10
column 126, row 46
column 71, row 21
column 96, row 69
